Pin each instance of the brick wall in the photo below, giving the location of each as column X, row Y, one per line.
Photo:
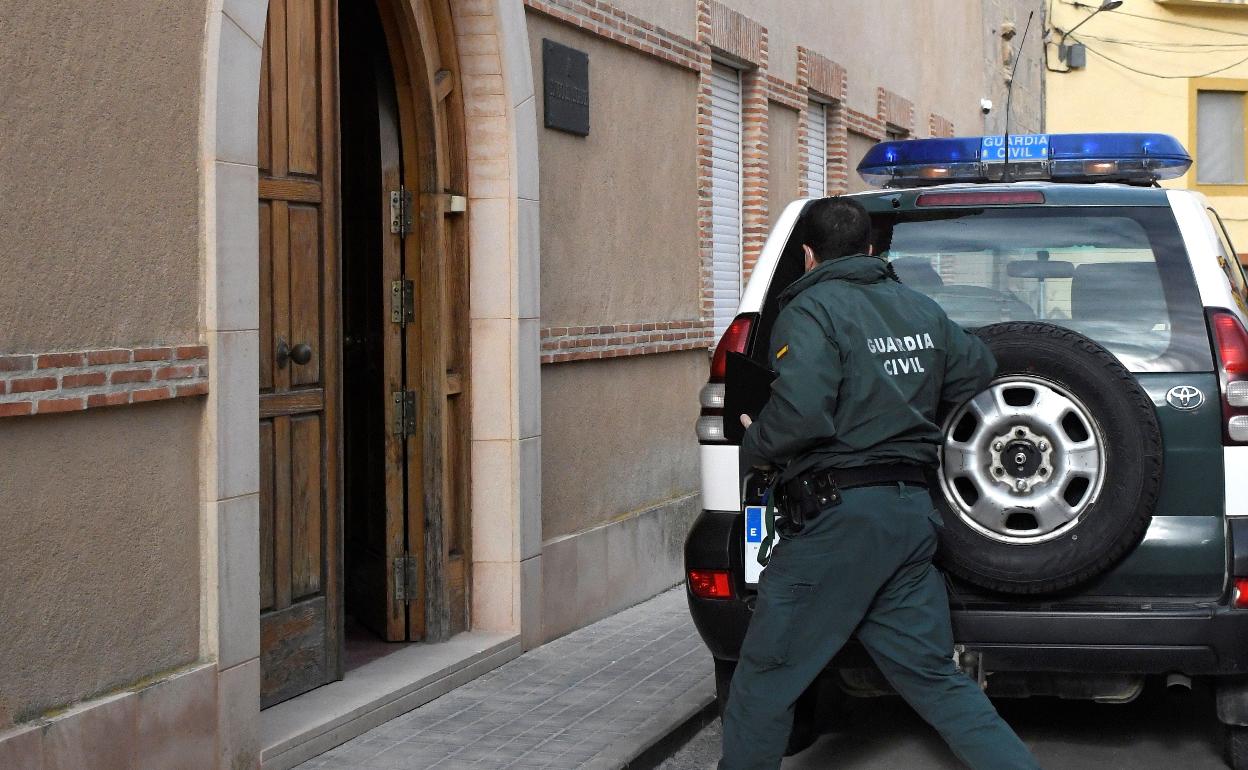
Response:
column 43, row 383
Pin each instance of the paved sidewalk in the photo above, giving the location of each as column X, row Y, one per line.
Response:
column 597, row 697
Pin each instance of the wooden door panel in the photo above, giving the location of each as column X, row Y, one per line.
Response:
column 302, row 93
column 264, row 152
column 266, row 295
column 280, row 513
column 267, row 591
column 292, row 650
column 279, row 290
column 305, row 290
column 298, row 434
column 307, row 515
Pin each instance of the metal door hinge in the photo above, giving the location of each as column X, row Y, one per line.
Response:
column 404, row 412
column 402, row 302
column 400, row 211
column 406, row 578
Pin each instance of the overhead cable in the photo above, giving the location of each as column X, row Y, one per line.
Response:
column 1120, row 12
column 1136, row 70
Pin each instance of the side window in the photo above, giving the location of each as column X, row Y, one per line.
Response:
column 1229, row 260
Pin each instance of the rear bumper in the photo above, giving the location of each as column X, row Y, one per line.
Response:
column 1194, row 641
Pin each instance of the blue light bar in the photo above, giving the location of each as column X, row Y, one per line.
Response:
column 1130, row 158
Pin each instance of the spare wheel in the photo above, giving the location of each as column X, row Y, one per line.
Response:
column 1050, row 476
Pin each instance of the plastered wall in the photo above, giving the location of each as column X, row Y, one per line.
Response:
column 1000, row 52
column 617, row 436
column 930, row 52
column 619, row 215
column 99, row 575
column 98, row 173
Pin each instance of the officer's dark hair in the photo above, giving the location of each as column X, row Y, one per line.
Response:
column 837, row 227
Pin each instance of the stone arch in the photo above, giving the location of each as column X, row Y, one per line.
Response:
column 500, row 135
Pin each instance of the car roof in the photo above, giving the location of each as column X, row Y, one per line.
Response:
column 1055, row 194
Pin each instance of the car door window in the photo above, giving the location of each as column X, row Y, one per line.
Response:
column 1229, row 260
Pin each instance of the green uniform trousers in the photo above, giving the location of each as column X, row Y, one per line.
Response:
column 863, row 566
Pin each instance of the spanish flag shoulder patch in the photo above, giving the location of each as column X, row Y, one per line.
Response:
column 782, row 352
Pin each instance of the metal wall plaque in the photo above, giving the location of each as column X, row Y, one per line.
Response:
column 565, row 81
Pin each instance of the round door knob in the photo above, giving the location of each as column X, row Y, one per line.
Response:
column 300, row 354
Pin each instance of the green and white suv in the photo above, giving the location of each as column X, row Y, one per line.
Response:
column 1095, row 496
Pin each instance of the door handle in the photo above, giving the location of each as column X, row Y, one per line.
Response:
column 300, row 354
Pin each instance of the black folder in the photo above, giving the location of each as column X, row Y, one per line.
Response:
column 747, row 387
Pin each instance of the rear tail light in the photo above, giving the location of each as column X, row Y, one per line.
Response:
column 736, row 339
column 710, row 583
column 710, row 428
column 1238, row 532
column 1239, row 594
column 1231, row 341
column 712, row 395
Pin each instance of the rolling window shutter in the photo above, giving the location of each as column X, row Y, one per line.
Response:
column 816, row 150
column 725, row 193
column 1219, row 137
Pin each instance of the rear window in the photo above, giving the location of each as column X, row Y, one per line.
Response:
column 1119, row 275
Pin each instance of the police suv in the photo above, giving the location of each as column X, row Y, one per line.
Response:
column 1094, row 497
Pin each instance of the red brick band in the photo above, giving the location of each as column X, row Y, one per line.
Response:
column 584, row 343
column 605, row 20
column 868, row 125
column 790, row 95
column 44, row 383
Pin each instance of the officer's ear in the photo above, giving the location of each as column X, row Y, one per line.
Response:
column 810, row 262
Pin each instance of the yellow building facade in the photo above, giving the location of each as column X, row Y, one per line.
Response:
column 1174, row 66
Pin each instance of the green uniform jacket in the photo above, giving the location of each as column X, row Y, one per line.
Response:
column 864, row 365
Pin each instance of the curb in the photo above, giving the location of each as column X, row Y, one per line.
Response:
column 658, row 736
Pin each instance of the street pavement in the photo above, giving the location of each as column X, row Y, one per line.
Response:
column 1160, row 730
column 597, row 698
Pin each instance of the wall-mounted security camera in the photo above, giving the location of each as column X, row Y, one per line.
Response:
column 985, row 106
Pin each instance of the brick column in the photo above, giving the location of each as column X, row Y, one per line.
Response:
column 723, row 32
column 754, row 166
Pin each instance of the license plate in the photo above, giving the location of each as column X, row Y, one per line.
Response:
column 755, row 531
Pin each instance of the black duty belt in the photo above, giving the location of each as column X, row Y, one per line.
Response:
column 839, row 479
column 805, row 496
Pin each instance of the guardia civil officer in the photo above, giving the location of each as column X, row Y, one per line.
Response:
column 863, row 366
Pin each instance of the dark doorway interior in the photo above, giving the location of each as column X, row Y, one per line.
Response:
column 369, row 157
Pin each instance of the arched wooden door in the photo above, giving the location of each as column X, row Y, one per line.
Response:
column 405, row 535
